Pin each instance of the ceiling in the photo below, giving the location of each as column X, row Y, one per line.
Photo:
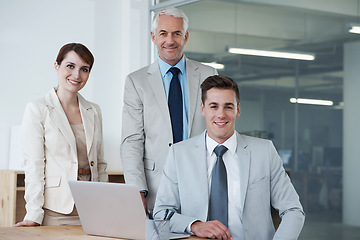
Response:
column 316, row 26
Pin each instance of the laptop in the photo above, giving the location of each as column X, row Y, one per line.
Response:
column 112, row 210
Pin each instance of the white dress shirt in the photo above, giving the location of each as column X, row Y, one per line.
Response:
column 233, row 178
column 231, row 160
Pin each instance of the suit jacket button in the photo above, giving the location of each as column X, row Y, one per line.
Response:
column 170, row 144
column 92, row 163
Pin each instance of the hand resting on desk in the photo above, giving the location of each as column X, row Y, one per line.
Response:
column 26, row 223
column 211, row 229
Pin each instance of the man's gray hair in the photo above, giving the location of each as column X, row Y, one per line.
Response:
column 171, row 11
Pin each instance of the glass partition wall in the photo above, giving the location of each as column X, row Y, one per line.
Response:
column 308, row 137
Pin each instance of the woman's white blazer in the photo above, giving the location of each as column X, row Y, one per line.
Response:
column 50, row 155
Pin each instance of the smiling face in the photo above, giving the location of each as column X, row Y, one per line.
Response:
column 220, row 110
column 73, row 73
column 170, row 38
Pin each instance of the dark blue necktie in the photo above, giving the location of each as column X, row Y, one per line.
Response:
column 176, row 105
column 218, row 202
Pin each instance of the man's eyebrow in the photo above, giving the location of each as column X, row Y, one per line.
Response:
column 213, row 103
column 227, row 104
column 230, row 103
column 164, row 31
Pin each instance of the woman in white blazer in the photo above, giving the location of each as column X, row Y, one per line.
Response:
column 61, row 141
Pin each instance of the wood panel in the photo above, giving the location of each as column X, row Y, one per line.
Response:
column 7, row 197
column 116, row 177
column 12, row 190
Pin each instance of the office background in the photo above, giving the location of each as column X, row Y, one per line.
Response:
column 319, row 144
column 31, row 34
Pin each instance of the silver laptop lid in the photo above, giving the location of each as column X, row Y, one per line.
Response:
column 109, row 209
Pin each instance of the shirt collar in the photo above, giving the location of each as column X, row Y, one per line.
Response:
column 164, row 66
column 231, row 144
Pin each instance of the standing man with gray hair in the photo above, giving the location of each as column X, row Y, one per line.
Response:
column 161, row 104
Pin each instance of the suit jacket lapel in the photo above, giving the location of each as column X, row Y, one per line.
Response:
column 157, row 86
column 244, row 165
column 200, row 162
column 87, row 116
column 193, row 80
column 58, row 116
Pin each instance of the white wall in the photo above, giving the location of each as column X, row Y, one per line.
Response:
column 31, row 34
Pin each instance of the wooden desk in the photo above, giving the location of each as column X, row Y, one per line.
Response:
column 12, row 190
column 51, row 233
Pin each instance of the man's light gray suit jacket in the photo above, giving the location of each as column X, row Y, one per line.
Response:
column 263, row 182
column 146, row 126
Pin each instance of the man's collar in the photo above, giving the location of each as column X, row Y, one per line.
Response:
column 231, row 143
column 164, row 66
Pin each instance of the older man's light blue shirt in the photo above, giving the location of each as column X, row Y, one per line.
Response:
column 166, row 77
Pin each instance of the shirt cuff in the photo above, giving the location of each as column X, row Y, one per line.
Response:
column 188, row 229
column 145, row 192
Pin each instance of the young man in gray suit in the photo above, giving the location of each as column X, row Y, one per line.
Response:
column 227, row 194
column 157, row 113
